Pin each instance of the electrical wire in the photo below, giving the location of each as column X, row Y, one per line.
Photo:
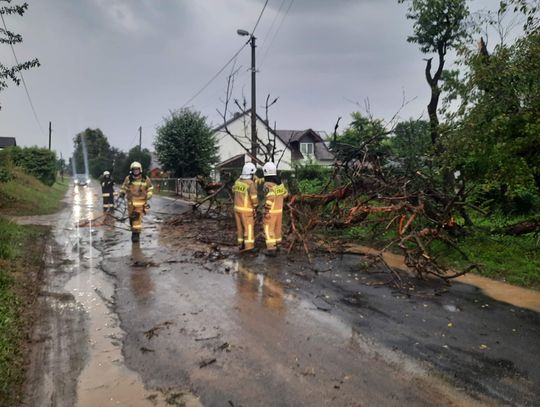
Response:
column 259, row 19
column 23, row 81
column 213, row 78
column 233, row 58
column 276, row 33
column 272, row 24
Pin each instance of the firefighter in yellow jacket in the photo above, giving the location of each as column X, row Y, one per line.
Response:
column 275, row 194
column 138, row 190
column 245, row 205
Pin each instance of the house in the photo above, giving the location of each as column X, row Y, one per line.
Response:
column 291, row 146
column 156, row 168
column 7, row 142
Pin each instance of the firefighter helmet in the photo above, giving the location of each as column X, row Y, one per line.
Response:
column 106, row 173
column 269, row 169
column 248, row 170
column 135, row 164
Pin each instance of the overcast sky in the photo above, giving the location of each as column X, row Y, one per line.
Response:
column 121, row 64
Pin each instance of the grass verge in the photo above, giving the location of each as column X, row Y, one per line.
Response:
column 513, row 259
column 21, row 262
column 19, row 284
column 25, row 195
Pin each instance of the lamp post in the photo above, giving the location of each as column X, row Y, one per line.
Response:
column 253, row 94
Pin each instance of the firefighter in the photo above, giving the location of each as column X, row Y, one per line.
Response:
column 275, row 194
column 107, row 192
column 138, row 190
column 245, row 204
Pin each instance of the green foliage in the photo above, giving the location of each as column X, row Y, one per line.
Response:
column 496, row 139
column 7, row 237
column 100, row 156
column 8, row 37
column 16, row 295
column 312, row 171
column 25, row 195
column 438, row 24
column 144, row 157
column 185, row 144
column 119, row 165
column 367, row 133
column 412, row 145
column 39, row 162
column 514, row 259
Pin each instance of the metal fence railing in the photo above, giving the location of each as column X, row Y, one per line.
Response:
column 186, row 188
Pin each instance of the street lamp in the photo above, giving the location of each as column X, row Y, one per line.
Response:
column 252, row 39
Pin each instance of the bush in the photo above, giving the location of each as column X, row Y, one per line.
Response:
column 312, row 171
column 39, row 162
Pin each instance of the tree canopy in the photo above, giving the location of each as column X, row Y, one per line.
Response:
column 185, row 144
column 8, row 37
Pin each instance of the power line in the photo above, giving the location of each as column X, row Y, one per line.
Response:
column 213, row 78
column 276, row 33
column 259, row 19
column 23, row 81
column 273, row 23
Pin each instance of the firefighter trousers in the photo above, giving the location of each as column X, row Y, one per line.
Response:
column 108, row 201
column 135, row 213
column 272, row 229
column 245, row 224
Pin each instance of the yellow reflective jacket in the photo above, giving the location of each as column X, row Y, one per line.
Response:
column 137, row 190
column 245, row 195
column 275, row 196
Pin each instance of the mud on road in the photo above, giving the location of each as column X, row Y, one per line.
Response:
column 180, row 320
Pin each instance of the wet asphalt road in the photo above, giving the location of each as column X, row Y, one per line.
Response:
column 170, row 323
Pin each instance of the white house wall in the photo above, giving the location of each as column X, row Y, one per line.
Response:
column 241, row 128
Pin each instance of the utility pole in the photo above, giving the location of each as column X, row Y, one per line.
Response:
column 50, row 131
column 253, row 101
column 252, row 39
column 140, row 138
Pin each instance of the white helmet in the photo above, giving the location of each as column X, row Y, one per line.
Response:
column 106, row 173
column 269, row 169
column 135, row 164
column 248, row 171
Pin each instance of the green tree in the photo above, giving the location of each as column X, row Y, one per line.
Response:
column 119, row 165
column 412, row 144
column 98, row 149
column 135, row 154
column 496, row 141
column 365, row 134
column 185, row 144
column 8, row 37
column 439, row 25
column 39, row 162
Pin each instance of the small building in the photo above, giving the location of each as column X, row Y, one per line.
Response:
column 156, row 170
column 291, row 146
column 6, row 142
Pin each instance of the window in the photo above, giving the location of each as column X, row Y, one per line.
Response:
column 306, row 148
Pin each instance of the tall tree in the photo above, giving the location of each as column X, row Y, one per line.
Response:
column 439, row 25
column 135, row 154
column 8, row 72
column 99, row 154
column 185, row 144
column 496, row 142
column 412, row 144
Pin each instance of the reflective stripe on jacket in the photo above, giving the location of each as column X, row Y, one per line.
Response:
column 275, row 195
column 137, row 190
column 245, row 195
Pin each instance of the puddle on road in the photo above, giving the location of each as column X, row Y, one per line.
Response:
column 498, row 290
column 105, row 380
